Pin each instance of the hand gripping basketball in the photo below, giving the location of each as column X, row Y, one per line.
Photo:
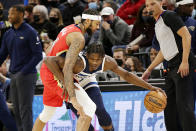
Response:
column 155, row 101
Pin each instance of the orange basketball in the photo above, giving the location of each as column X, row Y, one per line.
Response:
column 155, row 102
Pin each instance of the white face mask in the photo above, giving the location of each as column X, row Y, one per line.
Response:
column 194, row 13
column 71, row 1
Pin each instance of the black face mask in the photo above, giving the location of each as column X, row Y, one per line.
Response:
column 148, row 19
column 54, row 20
column 33, row 4
column 1, row 11
column 53, row 3
column 36, row 18
column 127, row 68
column 110, row 22
column 26, row 20
column 119, row 62
column 164, row 7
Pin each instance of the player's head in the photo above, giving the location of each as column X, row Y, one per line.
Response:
column 154, row 7
column 91, row 20
column 95, row 54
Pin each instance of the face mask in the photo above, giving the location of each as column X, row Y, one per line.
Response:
column 164, row 7
column 1, row 11
column 148, row 19
column 127, row 68
column 54, row 19
column 110, row 22
column 53, row 3
column 92, row 5
column 194, row 13
column 119, row 62
column 36, row 18
column 71, row 1
column 26, row 20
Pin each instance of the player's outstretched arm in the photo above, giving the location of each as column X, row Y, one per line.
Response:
column 110, row 64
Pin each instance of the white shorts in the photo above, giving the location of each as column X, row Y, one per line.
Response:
column 83, row 99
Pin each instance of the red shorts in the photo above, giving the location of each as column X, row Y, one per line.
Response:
column 52, row 95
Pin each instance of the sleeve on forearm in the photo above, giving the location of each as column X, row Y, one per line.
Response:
column 116, row 39
column 36, row 49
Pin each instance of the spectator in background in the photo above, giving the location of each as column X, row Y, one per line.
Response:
column 112, row 4
column 119, row 56
column 128, row 11
column 133, row 64
column 42, row 24
column 56, row 18
column 114, row 31
column 28, row 16
column 34, row 2
column 144, row 24
column 94, row 4
column 72, row 9
column 22, row 43
column 169, row 4
column 185, row 9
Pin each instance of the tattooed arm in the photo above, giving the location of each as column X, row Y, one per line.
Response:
column 76, row 42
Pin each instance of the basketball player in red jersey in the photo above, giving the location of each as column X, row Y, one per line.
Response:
column 70, row 40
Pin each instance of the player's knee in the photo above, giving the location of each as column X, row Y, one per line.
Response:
column 47, row 113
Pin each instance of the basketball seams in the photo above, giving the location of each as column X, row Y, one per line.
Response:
column 157, row 98
column 152, row 106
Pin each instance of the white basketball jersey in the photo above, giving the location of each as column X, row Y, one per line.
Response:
column 86, row 78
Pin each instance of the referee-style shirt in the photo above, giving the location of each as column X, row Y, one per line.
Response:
column 166, row 29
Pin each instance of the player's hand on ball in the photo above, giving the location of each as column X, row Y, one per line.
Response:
column 158, row 90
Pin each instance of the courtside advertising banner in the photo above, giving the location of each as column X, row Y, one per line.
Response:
column 125, row 108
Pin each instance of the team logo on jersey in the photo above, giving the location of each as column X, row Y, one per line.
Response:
column 191, row 28
column 37, row 43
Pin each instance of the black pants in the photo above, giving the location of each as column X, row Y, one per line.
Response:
column 180, row 102
column 22, row 92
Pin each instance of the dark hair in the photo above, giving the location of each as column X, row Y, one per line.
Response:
column 19, row 8
column 90, row 12
column 139, row 19
column 120, row 49
column 137, row 64
column 113, row 5
column 95, row 47
column 29, row 8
